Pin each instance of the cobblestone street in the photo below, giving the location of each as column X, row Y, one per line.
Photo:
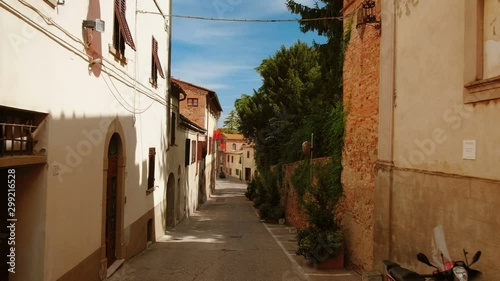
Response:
column 225, row 240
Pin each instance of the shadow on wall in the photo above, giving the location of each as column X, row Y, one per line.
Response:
column 90, row 170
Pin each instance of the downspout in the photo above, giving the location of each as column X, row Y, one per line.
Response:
column 168, row 28
column 394, row 95
column 386, row 170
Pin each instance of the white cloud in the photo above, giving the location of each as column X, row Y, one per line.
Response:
column 205, row 72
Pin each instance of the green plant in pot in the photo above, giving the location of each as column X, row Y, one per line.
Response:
column 323, row 238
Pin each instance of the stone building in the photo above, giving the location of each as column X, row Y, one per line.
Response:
column 202, row 107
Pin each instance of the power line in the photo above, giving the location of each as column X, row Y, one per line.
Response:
column 255, row 20
column 247, row 20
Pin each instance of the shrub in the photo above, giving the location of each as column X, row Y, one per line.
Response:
column 251, row 189
column 318, row 245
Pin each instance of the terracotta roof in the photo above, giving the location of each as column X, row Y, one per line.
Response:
column 184, row 121
column 234, row 136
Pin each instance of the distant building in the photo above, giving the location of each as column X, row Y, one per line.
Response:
column 201, row 106
column 236, row 157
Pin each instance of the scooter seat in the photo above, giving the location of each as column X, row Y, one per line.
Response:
column 403, row 274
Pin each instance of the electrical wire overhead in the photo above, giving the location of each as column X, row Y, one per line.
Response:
column 256, row 20
column 247, row 20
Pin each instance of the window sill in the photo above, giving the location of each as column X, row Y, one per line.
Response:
column 482, row 90
column 153, row 83
column 22, row 160
column 52, row 3
column 117, row 55
column 149, row 191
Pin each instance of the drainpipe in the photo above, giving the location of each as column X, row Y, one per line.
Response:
column 169, row 68
column 387, row 101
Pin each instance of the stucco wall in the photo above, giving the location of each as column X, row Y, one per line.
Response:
column 48, row 74
column 422, row 179
column 431, row 120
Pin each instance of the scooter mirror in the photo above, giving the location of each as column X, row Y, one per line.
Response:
column 423, row 259
column 475, row 258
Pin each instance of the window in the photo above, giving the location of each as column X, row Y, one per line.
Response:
column 248, row 154
column 121, row 30
column 239, row 161
column 230, row 171
column 151, row 172
column 193, row 151
column 187, row 152
column 192, row 102
column 232, row 159
column 173, row 122
column 155, row 64
column 237, row 172
column 234, row 146
column 482, row 48
column 491, row 39
column 202, row 150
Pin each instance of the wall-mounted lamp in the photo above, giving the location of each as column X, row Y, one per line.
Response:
column 96, row 24
column 367, row 14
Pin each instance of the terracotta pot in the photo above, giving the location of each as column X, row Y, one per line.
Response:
column 333, row 263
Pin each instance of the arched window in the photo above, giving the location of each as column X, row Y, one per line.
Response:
column 234, row 146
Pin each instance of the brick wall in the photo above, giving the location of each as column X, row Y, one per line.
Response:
column 361, row 86
column 195, row 114
column 294, row 215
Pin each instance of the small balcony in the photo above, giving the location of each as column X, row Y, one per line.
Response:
column 19, row 132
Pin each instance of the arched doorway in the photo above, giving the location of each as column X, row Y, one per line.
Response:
column 112, row 199
column 171, row 201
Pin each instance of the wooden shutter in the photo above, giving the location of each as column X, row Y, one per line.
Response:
column 156, row 59
column 120, row 8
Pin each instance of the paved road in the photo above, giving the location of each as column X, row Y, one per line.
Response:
column 224, row 240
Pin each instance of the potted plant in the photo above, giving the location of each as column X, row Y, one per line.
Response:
column 321, row 243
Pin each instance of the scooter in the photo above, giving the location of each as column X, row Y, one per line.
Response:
column 453, row 271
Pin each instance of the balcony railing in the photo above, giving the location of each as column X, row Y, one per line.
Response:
column 16, row 139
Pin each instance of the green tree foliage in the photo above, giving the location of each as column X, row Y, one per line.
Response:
column 332, row 52
column 232, row 121
column 288, row 107
column 301, row 94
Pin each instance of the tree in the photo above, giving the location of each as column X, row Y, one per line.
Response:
column 331, row 53
column 232, row 121
column 290, row 91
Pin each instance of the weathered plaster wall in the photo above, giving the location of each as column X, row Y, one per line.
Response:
column 422, row 179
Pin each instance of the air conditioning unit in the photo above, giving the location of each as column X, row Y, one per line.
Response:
column 96, row 24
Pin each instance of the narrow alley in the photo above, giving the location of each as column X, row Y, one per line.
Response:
column 225, row 240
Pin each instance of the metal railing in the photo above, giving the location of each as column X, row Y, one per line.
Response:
column 16, row 139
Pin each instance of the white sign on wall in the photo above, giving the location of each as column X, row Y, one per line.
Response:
column 469, row 150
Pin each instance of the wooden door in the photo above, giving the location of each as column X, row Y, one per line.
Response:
column 111, row 201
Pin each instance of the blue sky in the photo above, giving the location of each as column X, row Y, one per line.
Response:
column 222, row 56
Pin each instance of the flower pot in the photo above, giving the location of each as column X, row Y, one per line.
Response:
column 333, row 263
